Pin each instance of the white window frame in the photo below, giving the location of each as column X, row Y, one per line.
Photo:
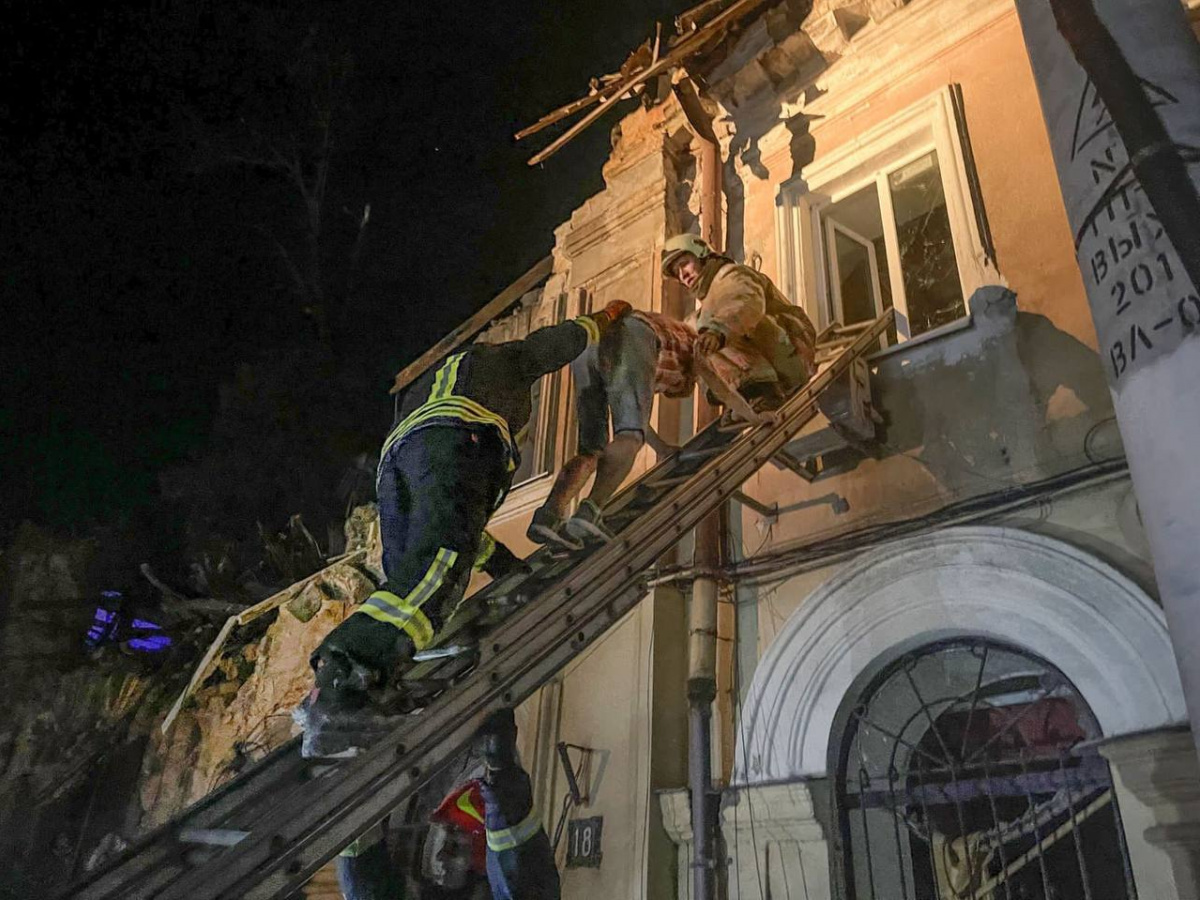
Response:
column 832, row 229
column 912, row 133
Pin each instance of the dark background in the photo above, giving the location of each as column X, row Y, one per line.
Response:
column 166, row 388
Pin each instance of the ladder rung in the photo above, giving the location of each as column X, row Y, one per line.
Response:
column 662, row 483
column 214, row 837
column 701, row 453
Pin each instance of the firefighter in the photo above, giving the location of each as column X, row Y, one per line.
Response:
column 520, row 860
column 643, row 354
column 484, row 826
column 742, row 310
column 455, row 855
column 444, row 469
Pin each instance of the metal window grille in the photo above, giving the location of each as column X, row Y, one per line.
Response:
column 968, row 771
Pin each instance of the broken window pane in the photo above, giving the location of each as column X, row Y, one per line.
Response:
column 931, row 286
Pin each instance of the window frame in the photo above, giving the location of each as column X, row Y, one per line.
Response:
column 835, row 282
column 544, row 437
column 930, row 124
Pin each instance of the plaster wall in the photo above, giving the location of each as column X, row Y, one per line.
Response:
column 1096, row 518
column 1008, row 399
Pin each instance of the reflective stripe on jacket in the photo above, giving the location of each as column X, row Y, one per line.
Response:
column 511, row 838
column 487, row 387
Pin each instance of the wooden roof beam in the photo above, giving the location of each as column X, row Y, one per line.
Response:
column 468, row 329
column 688, row 46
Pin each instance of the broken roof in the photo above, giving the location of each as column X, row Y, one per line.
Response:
column 703, row 35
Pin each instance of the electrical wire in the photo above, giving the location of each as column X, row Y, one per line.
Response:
column 1087, row 441
column 783, row 564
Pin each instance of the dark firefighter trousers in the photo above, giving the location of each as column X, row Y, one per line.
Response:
column 437, row 489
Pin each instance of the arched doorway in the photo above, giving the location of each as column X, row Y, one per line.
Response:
column 967, row 769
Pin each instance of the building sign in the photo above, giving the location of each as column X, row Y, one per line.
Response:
column 583, row 842
column 1143, row 303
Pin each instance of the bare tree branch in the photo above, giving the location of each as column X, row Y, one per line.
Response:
column 293, row 270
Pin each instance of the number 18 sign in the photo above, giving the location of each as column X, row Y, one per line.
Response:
column 583, row 842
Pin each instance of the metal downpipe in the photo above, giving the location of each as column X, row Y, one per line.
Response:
column 702, row 624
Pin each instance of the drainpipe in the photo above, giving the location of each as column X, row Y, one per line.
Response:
column 702, row 619
column 1119, row 84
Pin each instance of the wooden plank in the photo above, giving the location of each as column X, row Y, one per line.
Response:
column 690, row 19
column 473, row 325
column 250, row 613
column 565, row 110
column 685, row 48
column 202, row 671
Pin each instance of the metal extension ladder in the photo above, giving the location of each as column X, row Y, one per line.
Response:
column 265, row 833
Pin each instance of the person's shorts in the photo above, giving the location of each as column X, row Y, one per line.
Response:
column 615, row 378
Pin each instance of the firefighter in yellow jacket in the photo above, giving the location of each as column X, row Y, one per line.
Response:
column 746, row 318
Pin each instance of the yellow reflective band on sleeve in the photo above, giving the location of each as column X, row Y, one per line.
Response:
column 464, row 803
column 447, row 378
column 588, row 324
column 405, row 612
column 511, row 838
column 487, row 546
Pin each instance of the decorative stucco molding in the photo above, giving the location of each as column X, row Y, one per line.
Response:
column 1160, row 771
column 1042, row 595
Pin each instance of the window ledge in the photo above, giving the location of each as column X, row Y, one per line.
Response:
column 525, row 498
column 920, row 340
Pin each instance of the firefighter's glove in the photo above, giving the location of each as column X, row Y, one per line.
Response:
column 341, row 682
column 504, row 562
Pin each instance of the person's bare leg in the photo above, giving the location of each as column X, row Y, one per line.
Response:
column 616, row 462
column 570, row 481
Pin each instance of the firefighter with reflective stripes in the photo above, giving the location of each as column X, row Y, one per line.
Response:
column 486, row 824
column 445, row 467
column 520, row 860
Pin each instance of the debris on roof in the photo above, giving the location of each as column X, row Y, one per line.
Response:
column 699, row 31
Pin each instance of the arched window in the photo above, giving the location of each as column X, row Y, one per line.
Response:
column 968, row 771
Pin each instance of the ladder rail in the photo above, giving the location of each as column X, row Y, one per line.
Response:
column 308, row 827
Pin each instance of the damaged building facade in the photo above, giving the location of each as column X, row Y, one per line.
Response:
column 943, row 670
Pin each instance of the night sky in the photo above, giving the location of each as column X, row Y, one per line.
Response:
column 139, row 210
